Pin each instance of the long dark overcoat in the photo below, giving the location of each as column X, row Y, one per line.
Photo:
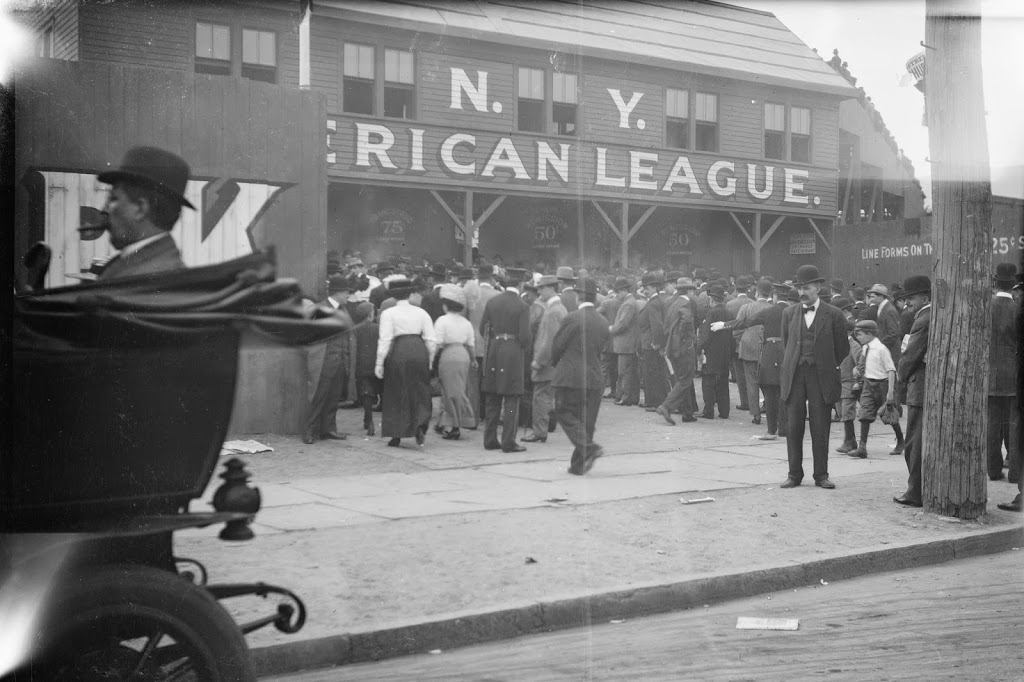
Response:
column 504, row 364
column 830, row 347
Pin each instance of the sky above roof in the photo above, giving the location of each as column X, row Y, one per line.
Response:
column 877, row 38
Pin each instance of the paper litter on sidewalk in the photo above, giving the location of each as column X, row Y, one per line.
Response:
column 746, row 623
column 697, row 500
column 244, row 447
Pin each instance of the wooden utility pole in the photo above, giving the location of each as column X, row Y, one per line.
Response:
column 953, row 463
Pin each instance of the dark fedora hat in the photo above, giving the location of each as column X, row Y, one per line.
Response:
column 717, row 292
column 842, row 303
column 653, row 278
column 485, row 271
column 623, row 284
column 916, row 284
column 439, row 270
column 1006, row 273
column 807, row 274
column 152, row 167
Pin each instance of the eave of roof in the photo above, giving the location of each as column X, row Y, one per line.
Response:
column 717, row 40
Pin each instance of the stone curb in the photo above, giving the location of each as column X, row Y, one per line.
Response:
column 457, row 630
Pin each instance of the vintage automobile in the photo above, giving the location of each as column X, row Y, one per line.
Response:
column 122, row 395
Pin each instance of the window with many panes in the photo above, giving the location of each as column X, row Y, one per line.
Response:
column 213, row 49
column 358, row 79
column 677, row 118
column 259, row 55
column 800, row 125
column 564, row 97
column 399, row 84
column 530, row 102
column 774, row 131
column 706, row 117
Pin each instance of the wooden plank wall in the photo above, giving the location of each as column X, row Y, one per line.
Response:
column 62, row 16
column 78, row 118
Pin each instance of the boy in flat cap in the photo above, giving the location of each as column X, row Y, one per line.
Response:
column 876, row 374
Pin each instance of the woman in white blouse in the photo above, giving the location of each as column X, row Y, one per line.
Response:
column 404, row 352
column 456, row 340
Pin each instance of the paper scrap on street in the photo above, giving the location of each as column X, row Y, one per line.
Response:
column 244, row 447
column 746, row 623
column 697, row 500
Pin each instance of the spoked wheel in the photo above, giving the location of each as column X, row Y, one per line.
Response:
column 140, row 623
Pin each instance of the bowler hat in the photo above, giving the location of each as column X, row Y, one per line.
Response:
column 837, row 286
column 700, row 273
column 880, row 289
column 1006, row 273
column 793, row 295
column 807, row 274
column 685, row 283
column 764, row 288
column 565, row 273
column 858, row 293
column 781, row 288
column 154, row 168
column 623, row 284
column 400, row 284
column 438, row 270
column 465, row 273
column 717, row 292
column 653, row 278
column 672, row 275
column 587, row 286
column 337, row 283
column 486, row 271
column 916, row 284
column 547, row 281
column 744, row 282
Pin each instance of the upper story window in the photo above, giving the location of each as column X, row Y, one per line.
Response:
column 706, row 115
column 213, row 49
column 677, row 118
column 399, row 84
column 774, row 131
column 530, row 102
column 800, row 122
column 564, row 96
column 44, row 43
column 358, row 79
column 259, row 55
column 792, row 143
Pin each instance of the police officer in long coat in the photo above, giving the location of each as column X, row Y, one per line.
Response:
column 505, row 326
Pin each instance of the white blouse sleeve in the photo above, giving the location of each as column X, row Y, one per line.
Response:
column 429, row 337
column 387, row 335
column 440, row 328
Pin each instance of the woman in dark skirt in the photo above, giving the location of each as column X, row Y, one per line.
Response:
column 405, row 349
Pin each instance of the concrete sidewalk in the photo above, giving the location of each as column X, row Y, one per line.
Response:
column 411, row 549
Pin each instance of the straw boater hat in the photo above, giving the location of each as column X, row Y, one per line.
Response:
column 880, row 289
column 453, row 293
column 154, row 168
column 653, row 278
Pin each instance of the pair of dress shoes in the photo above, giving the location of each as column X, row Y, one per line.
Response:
column 588, row 462
column 823, row 483
column 308, row 438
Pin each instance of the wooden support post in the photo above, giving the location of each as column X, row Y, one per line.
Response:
column 771, row 230
column 470, row 230
column 579, row 229
column 742, row 229
column 757, row 241
column 820, row 235
column 304, row 44
column 954, row 427
column 608, row 221
column 872, row 213
column 624, row 235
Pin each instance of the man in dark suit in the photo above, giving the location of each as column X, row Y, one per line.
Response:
column 1003, row 413
column 681, row 321
column 651, row 321
column 890, row 333
column 625, row 335
column 718, row 349
column 579, row 381
column 431, row 300
column 744, row 284
column 506, row 326
column 329, row 364
column 814, row 342
column 1017, row 504
column 146, row 195
column 911, row 374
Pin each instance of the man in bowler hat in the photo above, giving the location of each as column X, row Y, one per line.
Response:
column 1003, row 411
column 146, row 195
column 917, row 291
column 814, row 343
column 579, row 380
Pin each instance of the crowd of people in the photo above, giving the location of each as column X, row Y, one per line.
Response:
column 517, row 348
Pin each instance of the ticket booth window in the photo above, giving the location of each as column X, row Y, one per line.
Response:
column 399, row 84
column 677, row 118
column 706, row 117
column 530, row 102
column 564, row 103
column 357, row 79
column 774, row 131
